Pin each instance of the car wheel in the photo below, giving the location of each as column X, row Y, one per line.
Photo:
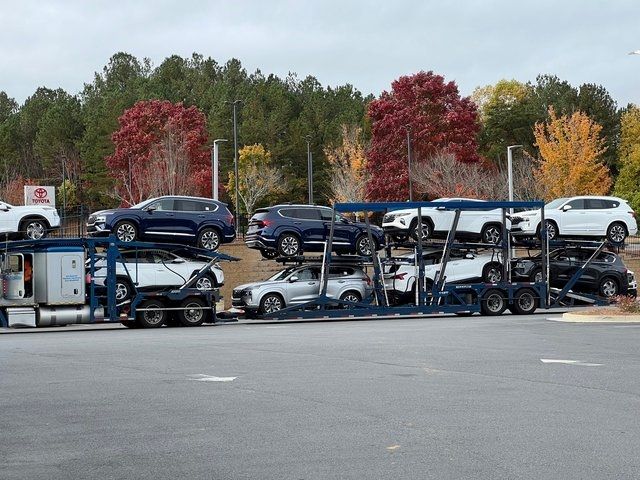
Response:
column 616, row 233
column 151, row 314
column 493, row 302
column 492, row 273
column 289, row 245
column 552, row 229
column 350, row 297
column 608, row 287
column 124, row 289
column 363, row 246
column 34, row 229
column 492, row 234
column 269, row 254
column 270, row 303
column 205, row 283
column 426, row 230
column 209, row 239
column 125, row 231
column 525, row 302
column 194, row 312
column 536, row 276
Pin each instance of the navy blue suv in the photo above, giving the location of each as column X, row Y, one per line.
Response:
column 192, row 220
column 288, row 230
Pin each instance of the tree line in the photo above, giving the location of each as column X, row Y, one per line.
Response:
column 137, row 130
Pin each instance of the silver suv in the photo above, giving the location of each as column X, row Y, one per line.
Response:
column 301, row 284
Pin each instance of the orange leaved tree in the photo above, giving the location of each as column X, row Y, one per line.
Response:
column 571, row 148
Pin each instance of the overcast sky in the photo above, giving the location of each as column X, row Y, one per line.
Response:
column 365, row 43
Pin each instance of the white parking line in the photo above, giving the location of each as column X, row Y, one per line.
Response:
column 571, row 362
column 201, row 377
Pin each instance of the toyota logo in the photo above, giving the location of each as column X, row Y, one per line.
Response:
column 40, row 192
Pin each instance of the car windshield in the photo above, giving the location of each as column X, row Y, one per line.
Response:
column 283, row 274
column 556, row 203
column 143, row 204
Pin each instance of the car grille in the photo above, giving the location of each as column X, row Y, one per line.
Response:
column 236, row 294
column 516, row 220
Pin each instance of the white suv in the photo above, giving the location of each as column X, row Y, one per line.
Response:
column 31, row 222
column 585, row 216
column 484, row 224
column 401, row 274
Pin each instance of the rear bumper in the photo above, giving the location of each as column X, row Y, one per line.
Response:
column 259, row 242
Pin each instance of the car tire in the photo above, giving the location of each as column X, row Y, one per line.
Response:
column 271, row 302
column 616, row 233
column 492, row 273
column 552, row 230
column 491, row 234
column 195, row 312
column 493, row 302
column 125, row 231
column 269, row 254
column 608, row 287
column 350, row 296
column 124, row 289
column 427, row 231
column 209, row 239
column 34, row 228
column 206, row 283
column 363, row 248
column 525, row 302
column 152, row 318
column 536, row 275
column 289, row 245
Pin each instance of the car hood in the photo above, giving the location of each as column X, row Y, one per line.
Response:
column 408, row 210
column 249, row 286
column 109, row 211
column 374, row 228
column 31, row 208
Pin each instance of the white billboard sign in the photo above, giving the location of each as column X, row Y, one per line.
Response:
column 38, row 195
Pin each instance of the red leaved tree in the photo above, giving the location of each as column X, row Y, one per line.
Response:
column 160, row 149
column 439, row 121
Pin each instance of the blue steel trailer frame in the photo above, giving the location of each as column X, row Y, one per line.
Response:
column 114, row 311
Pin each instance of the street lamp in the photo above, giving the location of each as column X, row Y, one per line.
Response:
column 309, row 169
column 408, row 129
column 510, row 170
column 214, row 167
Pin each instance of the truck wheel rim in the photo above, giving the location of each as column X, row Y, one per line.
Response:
column 193, row 312
column 126, row 233
column 492, row 235
column 609, row 288
column 525, row 302
column 289, row 245
column 121, row 291
column 363, row 246
column 153, row 317
column 210, row 240
column 204, row 284
column 617, row 233
column 272, row 304
column 35, row 230
column 494, row 303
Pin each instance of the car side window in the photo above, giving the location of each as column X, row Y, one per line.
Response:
column 611, row 204
column 308, row 214
column 307, row 274
column 336, row 272
column 595, row 204
column 577, row 204
column 164, row 204
column 325, row 213
column 183, row 205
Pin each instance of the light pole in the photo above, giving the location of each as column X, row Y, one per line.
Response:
column 309, row 169
column 214, row 167
column 510, row 170
column 408, row 129
column 235, row 103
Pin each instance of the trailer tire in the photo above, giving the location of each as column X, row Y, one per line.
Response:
column 153, row 318
column 525, row 302
column 493, row 302
column 194, row 313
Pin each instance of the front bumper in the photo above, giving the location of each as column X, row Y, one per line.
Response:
column 98, row 230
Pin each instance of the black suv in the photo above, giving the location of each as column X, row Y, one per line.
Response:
column 288, row 230
column 606, row 275
column 196, row 221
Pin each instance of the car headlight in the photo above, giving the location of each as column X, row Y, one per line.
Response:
column 101, row 219
column 520, row 265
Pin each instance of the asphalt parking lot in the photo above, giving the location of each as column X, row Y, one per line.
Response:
column 479, row 397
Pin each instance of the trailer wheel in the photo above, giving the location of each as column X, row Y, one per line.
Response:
column 154, row 317
column 195, row 312
column 493, row 302
column 525, row 302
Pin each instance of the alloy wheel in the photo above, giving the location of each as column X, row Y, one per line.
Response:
column 193, row 312
column 126, row 232
column 364, row 247
column 492, row 235
column 609, row 288
column 122, row 291
column 617, row 233
column 35, row 230
column 210, row 240
column 289, row 245
column 204, row 283
column 272, row 304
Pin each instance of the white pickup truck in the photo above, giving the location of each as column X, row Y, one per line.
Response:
column 30, row 222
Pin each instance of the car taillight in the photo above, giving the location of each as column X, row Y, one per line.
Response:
column 399, row 276
column 262, row 223
column 368, row 280
column 632, row 213
column 231, row 219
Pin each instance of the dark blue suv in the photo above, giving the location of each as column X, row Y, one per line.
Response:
column 191, row 220
column 288, row 230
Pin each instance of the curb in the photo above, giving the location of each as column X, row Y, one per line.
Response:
column 598, row 318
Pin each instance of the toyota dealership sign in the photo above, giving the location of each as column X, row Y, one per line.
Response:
column 37, row 195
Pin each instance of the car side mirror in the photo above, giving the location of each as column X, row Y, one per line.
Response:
column 566, row 208
column 178, row 260
column 469, row 256
column 5, row 208
column 293, row 279
column 151, row 208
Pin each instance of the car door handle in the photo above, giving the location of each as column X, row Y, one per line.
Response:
column 341, row 281
column 297, row 223
column 311, row 283
column 169, row 214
